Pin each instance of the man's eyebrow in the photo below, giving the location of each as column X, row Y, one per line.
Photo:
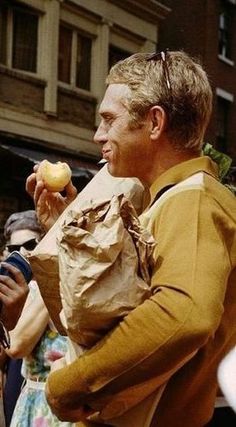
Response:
column 104, row 113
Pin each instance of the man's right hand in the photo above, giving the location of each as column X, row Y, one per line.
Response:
column 48, row 205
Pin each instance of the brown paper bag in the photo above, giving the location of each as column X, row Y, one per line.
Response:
column 105, row 258
column 44, row 259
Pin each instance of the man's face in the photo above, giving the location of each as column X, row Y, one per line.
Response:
column 126, row 150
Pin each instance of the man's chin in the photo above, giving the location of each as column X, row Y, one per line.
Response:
column 111, row 170
column 116, row 173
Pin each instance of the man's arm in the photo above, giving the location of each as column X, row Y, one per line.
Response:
column 189, row 282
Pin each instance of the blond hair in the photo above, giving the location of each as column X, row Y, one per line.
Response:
column 187, row 103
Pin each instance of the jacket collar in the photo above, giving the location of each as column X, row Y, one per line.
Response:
column 182, row 171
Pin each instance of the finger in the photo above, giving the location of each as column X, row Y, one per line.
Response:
column 80, row 414
column 45, row 201
column 71, row 191
column 31, row 184
column 40, row 193
column 73, row 415
column 10, row 281
column 13, row 297
column 7, row 297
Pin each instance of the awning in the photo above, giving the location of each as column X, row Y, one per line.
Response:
column 80, row 168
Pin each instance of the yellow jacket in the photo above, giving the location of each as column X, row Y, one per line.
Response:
column 191, row 314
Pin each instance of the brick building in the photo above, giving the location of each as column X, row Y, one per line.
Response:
column 54, row 57
column 207, row 29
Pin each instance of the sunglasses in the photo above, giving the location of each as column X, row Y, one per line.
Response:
column 162, row 56
column 29, row 245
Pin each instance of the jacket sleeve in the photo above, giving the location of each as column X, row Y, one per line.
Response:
column 189, row 283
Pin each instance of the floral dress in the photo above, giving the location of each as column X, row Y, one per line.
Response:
column 32, row 409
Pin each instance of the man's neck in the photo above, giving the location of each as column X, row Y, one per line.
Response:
column 166, row 159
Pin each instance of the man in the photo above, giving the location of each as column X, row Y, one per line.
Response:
column 153, row 118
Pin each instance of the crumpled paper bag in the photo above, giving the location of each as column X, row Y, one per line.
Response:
column 105, row 259
column 44, row 259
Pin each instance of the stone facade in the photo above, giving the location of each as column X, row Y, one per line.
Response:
column 54, row 58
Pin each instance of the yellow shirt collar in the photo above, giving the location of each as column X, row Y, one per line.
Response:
column 182, row 171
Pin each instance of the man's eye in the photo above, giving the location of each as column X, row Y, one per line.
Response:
column 108, row 119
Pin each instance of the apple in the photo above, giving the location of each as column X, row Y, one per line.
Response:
column 55, row 176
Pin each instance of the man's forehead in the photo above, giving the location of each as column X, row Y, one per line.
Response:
column 114, row 96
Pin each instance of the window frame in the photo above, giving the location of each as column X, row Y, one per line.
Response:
column 10, row 39
column 225, row 51
column 224, row 100
column 76, row 31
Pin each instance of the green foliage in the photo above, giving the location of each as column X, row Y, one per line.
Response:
column 223, row 161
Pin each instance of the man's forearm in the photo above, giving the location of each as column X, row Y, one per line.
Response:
column 127, row 356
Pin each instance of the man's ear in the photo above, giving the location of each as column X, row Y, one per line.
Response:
column 158, row 120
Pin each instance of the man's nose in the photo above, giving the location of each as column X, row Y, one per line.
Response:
column 100, row 136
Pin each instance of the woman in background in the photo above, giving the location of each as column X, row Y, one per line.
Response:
column 34, row 338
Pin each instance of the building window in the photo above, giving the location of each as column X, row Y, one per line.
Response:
column 116, row 54
column 18, row 37
column 64, row 56
column 25, row 40
column 83, row 65
column 74, row 58
column 226, row 24
column 3, row 35
column 223, row 107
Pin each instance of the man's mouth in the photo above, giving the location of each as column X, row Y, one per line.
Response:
column 106, row 154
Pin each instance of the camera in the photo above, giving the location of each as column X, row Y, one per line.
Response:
column 20, row 262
